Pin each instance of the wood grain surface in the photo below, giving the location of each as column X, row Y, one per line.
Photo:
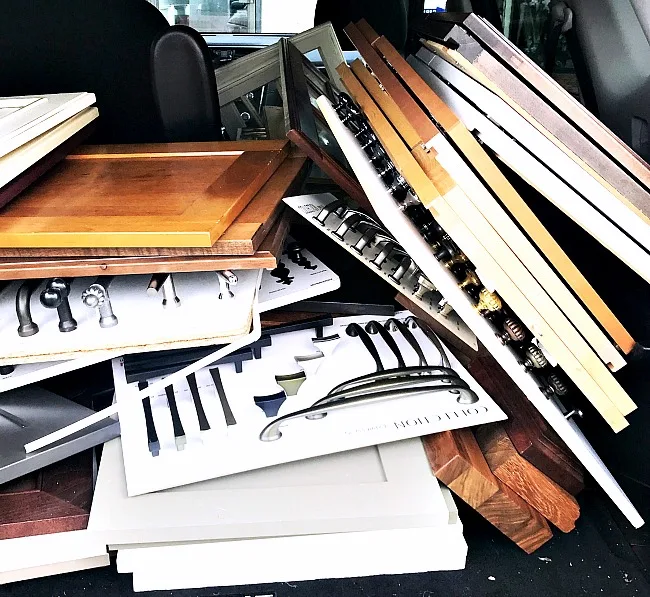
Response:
column 456, row 460
column 19, row 268
column 243, row 236
column 580, row 362
column 548, row 498
column 55, row 499
column 531, row 435
column 145, row 198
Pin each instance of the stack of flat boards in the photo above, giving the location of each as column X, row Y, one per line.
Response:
column 38, row 131
column 301, row 521
column 152, row 208
column 480, row 245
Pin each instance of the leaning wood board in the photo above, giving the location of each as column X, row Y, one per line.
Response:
column 531, row 435
column 456, row 460
column 427, row 133
column 494, row 61
column 183, row 195
column 548, row 498
column 579, row 362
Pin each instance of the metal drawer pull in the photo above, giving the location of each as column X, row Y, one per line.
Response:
column 272, row 431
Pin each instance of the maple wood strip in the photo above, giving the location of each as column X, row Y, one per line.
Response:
column 456, row 460
column 482, row 258
column 548, row 498
column 515, row 204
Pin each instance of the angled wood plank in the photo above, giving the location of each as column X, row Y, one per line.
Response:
column 480, row 255
column 115, row 199
column 507, row 229
column 456, row 460
column 548, row 498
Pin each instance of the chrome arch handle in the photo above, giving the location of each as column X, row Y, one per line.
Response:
column 272, row 431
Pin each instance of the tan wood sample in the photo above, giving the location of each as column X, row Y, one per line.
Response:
column 546, row 496
column 243, row 237
column 141, row 196
column 501, row 221
column 485, row 262
column 456, row 460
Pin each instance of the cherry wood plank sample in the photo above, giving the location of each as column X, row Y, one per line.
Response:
column 242, row 238
column 141, row 196
column 55, row 499
column 531, row 435
column 548, row 498
column 456, row 460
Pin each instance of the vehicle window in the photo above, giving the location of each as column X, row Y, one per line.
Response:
column 525, row 23
column 240, row 16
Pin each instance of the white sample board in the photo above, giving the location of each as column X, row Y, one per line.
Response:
column 288, row 559
column 45, row 555
column 369, row 489
column 24, row 118
column 186, row 454
column 410, row 238
column 144, row 324
column 299, row 276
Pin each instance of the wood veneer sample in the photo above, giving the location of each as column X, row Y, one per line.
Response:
column 456, row 460
column 55, row 499
column 548, row 498
column 183, row 195
column 494, row 259
column 531, row 435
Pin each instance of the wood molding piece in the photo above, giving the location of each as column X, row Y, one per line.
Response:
column 548, row 498
column 531, row 435
column 456, row 460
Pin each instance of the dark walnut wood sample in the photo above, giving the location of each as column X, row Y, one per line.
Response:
column 174, row 195
column 55, row 499
column 548, row 498
column 457, row 461
column 531, row 435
